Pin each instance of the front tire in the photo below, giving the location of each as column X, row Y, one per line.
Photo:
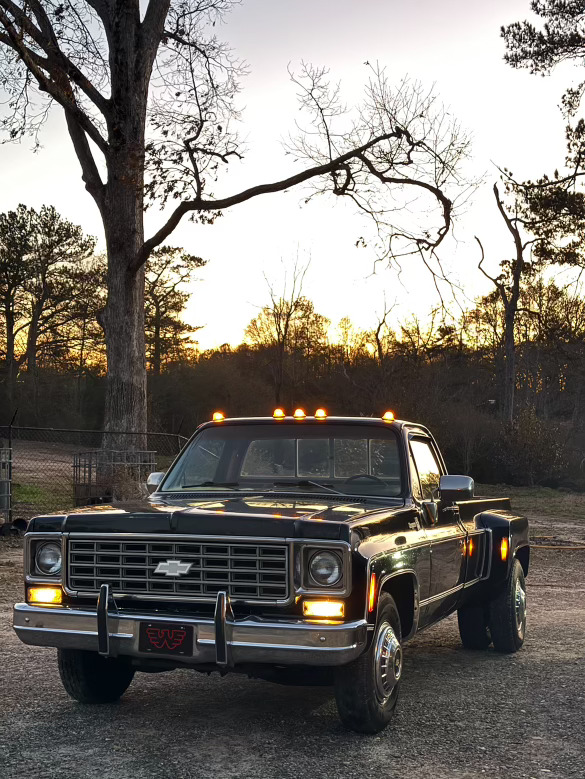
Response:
column 508, row 613
column 90, row 678
column 366, row 690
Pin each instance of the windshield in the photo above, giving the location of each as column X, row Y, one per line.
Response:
column 345, row 459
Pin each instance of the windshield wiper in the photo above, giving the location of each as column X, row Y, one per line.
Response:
column 308, row 483
column 211, row 484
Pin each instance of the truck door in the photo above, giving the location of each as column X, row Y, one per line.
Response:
column 447, row 537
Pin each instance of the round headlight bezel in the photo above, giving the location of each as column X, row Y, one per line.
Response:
column 53, row 569
column 337, row 561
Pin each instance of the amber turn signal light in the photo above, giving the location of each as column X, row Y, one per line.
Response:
column 45, row 595
column 372, row 593
column 323, row 609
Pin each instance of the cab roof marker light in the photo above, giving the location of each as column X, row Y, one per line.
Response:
column 320, row 414
column 299, row 414
column 388, row 416
column 218, row 416
column 278, row 413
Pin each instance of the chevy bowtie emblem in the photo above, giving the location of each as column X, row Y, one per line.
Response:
column 173, row 568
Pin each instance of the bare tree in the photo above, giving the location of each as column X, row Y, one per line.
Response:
column 382, row 334
column 274, row 327
column 509, row 287
column 148, row 94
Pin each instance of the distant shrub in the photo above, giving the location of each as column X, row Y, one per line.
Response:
column 531, row 451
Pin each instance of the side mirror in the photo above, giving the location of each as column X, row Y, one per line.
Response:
column 455, row 488
column 154, row 480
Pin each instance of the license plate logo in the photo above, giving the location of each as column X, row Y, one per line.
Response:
column 163, row 638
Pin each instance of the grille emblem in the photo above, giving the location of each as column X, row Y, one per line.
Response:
column 173, row 568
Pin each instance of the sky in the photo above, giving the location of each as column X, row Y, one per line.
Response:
column 512, row 116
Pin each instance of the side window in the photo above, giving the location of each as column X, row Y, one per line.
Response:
column 427, row 467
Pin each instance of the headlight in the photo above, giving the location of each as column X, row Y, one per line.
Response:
column 48, row 559
column 325, row 568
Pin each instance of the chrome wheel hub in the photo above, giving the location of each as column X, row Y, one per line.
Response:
column 387, row 661
column 520, row 609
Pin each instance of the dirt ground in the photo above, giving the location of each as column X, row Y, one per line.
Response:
column 462, row 714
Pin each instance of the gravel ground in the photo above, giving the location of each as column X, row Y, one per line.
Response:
column 461, row 715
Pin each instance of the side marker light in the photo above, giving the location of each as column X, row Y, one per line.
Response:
column 372, row 593
column 504, row 548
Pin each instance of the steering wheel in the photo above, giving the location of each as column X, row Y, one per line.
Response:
column 366, row 476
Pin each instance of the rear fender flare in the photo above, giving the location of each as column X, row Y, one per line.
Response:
column 514, row 528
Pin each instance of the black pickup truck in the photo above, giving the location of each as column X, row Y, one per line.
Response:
column 298, row 549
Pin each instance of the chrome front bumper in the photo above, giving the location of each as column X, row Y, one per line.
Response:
column 252, row 640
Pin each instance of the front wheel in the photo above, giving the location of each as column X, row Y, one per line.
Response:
column 91, row 678
column 507, row 613
column 366, row 690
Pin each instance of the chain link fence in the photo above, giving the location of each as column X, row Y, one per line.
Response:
column 47, row 470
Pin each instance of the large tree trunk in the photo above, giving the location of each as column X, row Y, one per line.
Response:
column 123, row 316
column 123, row 215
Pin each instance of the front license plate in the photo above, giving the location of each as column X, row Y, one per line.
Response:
column 166, row 638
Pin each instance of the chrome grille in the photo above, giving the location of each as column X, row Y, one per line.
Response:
column 245, row 571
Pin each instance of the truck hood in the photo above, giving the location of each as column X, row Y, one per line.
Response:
column 284, row 517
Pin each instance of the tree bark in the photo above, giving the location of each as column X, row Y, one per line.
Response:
column 123, row 316
column 123, row 219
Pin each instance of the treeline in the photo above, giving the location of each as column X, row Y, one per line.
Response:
column 449, row 373
column 53, row 288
